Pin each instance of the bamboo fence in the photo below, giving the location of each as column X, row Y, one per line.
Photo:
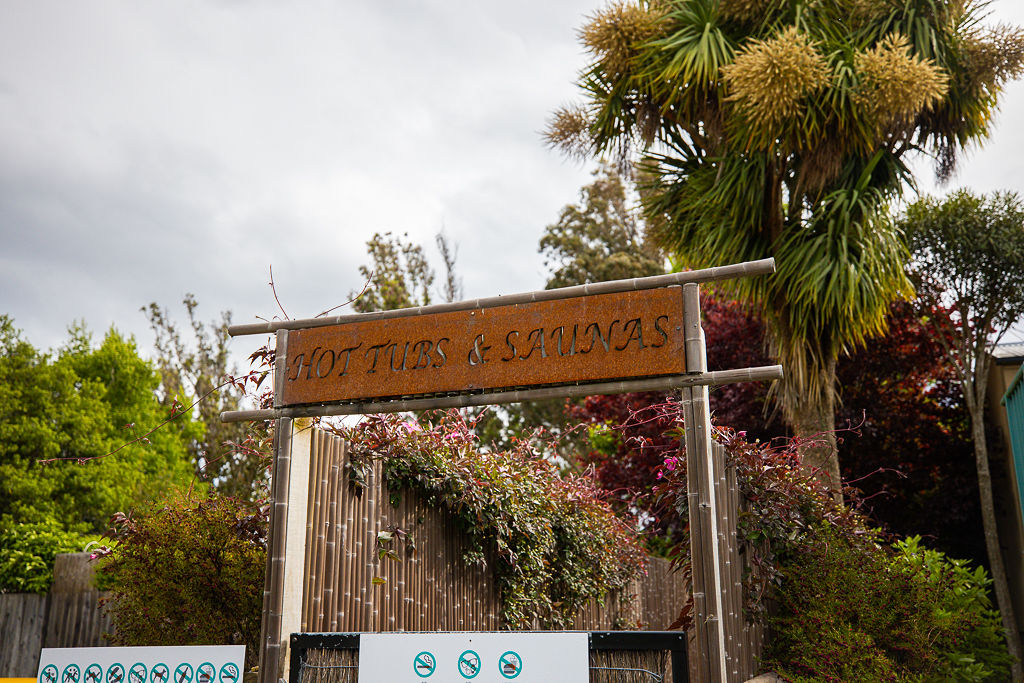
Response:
column 350, row 587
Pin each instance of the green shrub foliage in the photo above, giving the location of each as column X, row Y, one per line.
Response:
column 851, row 609
column 188, row 573
column 556, row 541
column 848, row 606
column 27, row 552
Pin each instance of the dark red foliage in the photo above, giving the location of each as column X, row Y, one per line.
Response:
column 631, row 435
column 909, row 449
column 904, row 435
column 735, row 338
column 626, row 459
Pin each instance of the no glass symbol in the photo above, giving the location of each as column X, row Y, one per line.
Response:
column 424, row 664
column 469, row 664
column 93, row 673
column 510, row 664
column 115, row 674
column 137, row 674
column 228, row 673
column 183, row 673
column 159, row 673
column 71, row 674
column 49, row 674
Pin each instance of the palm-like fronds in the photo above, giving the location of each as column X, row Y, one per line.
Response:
column 778, row 128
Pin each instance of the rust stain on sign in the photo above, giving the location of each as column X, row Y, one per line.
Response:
column 585, row 339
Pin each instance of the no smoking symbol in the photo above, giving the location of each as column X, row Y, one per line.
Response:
column 469, row 664
column 424, row 664
column 510, row 664
column 228, row 673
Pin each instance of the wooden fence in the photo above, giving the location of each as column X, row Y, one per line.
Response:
column 348, row 588
column 69, row 616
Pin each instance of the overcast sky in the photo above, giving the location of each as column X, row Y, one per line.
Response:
column 152, row 149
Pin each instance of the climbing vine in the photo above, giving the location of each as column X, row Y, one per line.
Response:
column 556, row 540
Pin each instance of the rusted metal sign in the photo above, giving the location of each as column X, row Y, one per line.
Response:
column 583, row 339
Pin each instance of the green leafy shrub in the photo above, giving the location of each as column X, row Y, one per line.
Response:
column 846, row 606
column 557, row 542
column 852, row 609
column 27, row 552
column 188, row 573
column 784, row 504
column 973, row 644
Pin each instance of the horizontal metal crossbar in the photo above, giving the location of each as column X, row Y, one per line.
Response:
column 749, row 268
column 719, row 377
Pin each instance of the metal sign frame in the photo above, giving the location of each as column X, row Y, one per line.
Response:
column 284, row 575
column 673, row 642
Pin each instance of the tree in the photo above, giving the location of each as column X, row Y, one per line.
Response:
column 194, row 369
column 188, row 571
column 781, row 128
column 600, row 238
column 67, row 425
column 452, row 290
column 968, row 254
column 905, row 437
column 399, row 277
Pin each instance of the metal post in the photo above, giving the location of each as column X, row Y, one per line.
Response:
column 707, row 578
column 273, row 586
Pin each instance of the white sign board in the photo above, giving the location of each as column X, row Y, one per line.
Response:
column 187, row 664
column 498, row 657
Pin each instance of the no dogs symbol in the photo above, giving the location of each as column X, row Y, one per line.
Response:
column 159, row 674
